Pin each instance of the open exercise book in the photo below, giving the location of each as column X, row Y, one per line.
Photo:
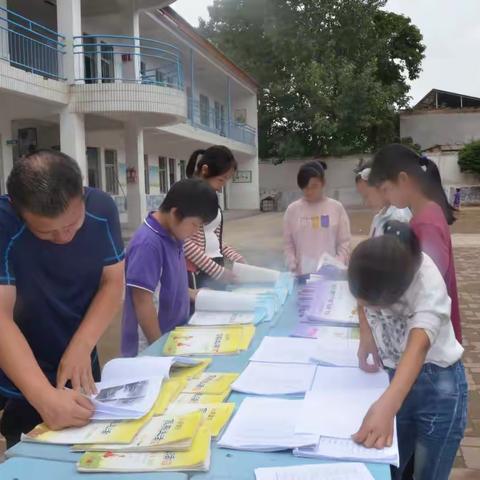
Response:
column 209, row 340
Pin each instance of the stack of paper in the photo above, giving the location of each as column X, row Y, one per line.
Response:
column 209, row 340
column 211, row 383
column 333, row 304
column 347, row 449
column 251, row 274
column 215, row 415
column 275, row 378
column 160, row 434
column 337, row 352
column 285, row 350
column 335, row 471
column 195, row 459
column 94, row 432
column 207, row 319
column 265, row 425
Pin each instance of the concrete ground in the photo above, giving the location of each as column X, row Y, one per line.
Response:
column 258, row 236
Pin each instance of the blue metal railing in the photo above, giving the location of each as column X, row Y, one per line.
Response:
column 214, row 120
column 124, row 59
column 31, row 46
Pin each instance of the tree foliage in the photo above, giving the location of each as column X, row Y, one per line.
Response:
column 332, row 73
column 469, row 158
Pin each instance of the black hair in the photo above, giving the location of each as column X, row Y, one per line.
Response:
column 44, row 182
column 218, row 158
column 192, row 198
column 315, row 169
column 382, row 268
column 393, row 159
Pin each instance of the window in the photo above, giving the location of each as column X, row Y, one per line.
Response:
column 159, row 77
column 93, row 167
column 183, row 169
column 220, row 118
column 204, row 110
column 90, row 59
column 189, row 103
column 147, row 174
column 162, row 173
column 111, row 172
column 107, row 63
column 172, row 173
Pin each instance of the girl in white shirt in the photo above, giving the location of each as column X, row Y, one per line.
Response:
column 374, row 199
column 408, row 312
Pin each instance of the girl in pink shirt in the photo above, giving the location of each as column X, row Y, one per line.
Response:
column 410, row 180
column 315, row 224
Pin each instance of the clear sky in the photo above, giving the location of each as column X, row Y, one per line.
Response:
column 451, row 32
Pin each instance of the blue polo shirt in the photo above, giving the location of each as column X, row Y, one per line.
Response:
column 55, row 284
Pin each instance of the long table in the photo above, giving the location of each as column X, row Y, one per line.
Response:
column 225, row 464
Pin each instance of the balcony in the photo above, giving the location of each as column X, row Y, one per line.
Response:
column 214, row 120
column 118, row 73
column 29, row 46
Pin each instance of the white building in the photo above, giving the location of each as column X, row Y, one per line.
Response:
column 128, row 89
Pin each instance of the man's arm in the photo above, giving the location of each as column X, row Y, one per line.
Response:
column 58, row 408
column 76, row 362
column 146, row 314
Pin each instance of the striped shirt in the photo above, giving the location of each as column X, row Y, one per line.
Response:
column 197, row 258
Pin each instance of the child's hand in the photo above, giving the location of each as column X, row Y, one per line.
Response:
column 377, row 426
column 76, row 366
column 367, row 349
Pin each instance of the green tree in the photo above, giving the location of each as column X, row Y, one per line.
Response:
column 332, row 72
column 469, row 158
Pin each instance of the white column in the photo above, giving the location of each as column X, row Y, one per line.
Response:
column 6, row 151
column 72, row 138
column 131, row 69
column 136, row 198
column 4, row 44
column 69, row 24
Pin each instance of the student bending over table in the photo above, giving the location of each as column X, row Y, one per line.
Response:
column 408, row 310
column 157, row 295
column 61, row 284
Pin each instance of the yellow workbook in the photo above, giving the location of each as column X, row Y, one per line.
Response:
column 188, row 373
column 211, row 383
column 209, row 340
column 160, row 434
column 199, row 398
column 170, row 390
column 215, row 415
column 195, row 459
column 95, row 432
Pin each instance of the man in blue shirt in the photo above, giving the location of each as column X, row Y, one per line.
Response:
column 61, row 285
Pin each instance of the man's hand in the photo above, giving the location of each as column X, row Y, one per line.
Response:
column 62, row 408
column 377, row 426
column 76, row 366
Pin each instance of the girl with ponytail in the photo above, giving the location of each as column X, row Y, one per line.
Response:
column 206, row 251
column 407, row 308
column 411, row 180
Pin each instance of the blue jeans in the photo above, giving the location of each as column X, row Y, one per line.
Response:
column 432, row 420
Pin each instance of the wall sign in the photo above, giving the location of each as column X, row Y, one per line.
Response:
column 243, row 176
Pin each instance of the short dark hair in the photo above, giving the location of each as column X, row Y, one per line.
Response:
column 395, row 158
column 218, row 158
column 315, row 169
column 192, row 198
column 382, row 268
column 44, row 182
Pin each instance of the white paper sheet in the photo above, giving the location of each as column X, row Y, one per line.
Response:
column 335, row 413
column 265, row 424
column 327, row 378
column 251, row 274
column 285, row 350
column 274, row 379
column 337, row 352
column 347, row 449
column 202, row 318
column 332, row 471
column 216, row 301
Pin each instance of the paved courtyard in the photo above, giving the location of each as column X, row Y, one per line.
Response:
column 259, row 238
